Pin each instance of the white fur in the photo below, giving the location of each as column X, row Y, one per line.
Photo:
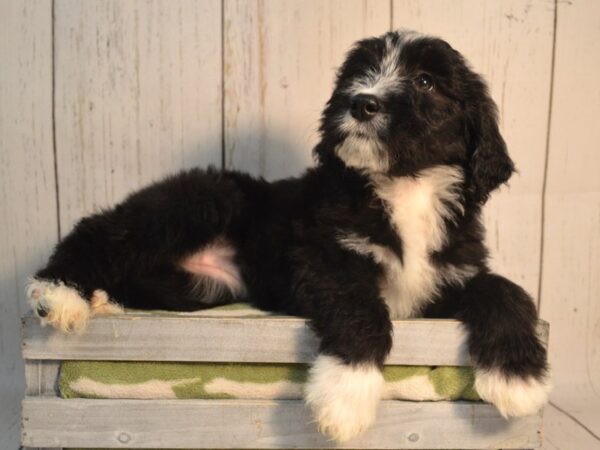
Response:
column 363, row 152
column 66, row 309
column 513, row 396
column 418, row 207
column 386, row 78
column 101, row 304
column 343, row 398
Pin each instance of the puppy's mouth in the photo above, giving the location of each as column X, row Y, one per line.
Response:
column 350, row 127
column 363, row 134
column 361, row 146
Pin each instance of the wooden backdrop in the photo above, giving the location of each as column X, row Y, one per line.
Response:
column 100, row 97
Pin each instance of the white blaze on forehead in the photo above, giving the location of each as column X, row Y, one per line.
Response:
column 386, row 77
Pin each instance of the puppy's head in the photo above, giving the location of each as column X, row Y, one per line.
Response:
column 404, row 102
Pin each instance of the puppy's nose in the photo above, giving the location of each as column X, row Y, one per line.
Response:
column 364, row 107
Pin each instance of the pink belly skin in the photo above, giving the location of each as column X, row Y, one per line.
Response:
column 216, row 262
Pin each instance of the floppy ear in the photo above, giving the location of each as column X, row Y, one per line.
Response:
column 490, row 165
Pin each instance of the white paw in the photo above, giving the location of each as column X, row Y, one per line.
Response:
column 58, row 305
column 343, row 398
column 513, row 396
column 101, row 304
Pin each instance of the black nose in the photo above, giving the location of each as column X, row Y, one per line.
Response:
column 42, row 311
column 364, row 107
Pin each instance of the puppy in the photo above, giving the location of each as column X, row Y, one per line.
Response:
column 386, row 226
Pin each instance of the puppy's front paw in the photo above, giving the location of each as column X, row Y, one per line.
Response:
column 514, row 396
column 58, row 305
column 343, row 398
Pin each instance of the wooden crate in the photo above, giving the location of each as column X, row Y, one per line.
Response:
column 52, row 422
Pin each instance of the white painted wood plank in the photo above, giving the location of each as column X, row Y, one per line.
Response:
column 510, row 43
column 41, row 378
column 177, row 338
column 265, row 424
column 226, row 339
column 571, row 265
column 28, row 224
column 280, row 61
column 138, row 95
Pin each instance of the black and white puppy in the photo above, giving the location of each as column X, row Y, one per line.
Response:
column 386, row 226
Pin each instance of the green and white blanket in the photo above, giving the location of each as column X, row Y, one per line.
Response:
column 165, row 380
column 169, row 380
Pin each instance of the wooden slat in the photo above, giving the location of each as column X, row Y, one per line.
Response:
column 280, row 60
column 571, row 265
column 41, row 378
column 138, row 95
column 269, row 339
column 41, row 448
column 132, row 337
column 265, row 424
column 510, row 43
column 28, row 223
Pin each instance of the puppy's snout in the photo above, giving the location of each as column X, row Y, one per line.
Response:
column 364, row 107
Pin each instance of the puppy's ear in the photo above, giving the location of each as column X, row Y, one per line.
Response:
column 489, row 166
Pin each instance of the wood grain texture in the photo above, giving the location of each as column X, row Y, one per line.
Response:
column 277, row 340
column 510, row 43
column 41, row 378
column 265, row 424
column 280, row 60
column 138, row 95
column 270, row 339
column 571, row 265
column 28, row 225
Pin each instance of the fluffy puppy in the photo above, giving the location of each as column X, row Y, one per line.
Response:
column 386, row 226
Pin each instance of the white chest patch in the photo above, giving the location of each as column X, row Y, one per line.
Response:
column 418, row 208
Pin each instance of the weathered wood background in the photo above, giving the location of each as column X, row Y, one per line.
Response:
column 100, row 97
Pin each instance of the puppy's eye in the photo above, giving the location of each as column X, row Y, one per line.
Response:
column 425, row 82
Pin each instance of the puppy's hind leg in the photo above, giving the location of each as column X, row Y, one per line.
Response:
column 119, row 253
column 173, row 288
column 58, row 305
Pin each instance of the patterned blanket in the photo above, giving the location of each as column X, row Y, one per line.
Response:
column 171, row 380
